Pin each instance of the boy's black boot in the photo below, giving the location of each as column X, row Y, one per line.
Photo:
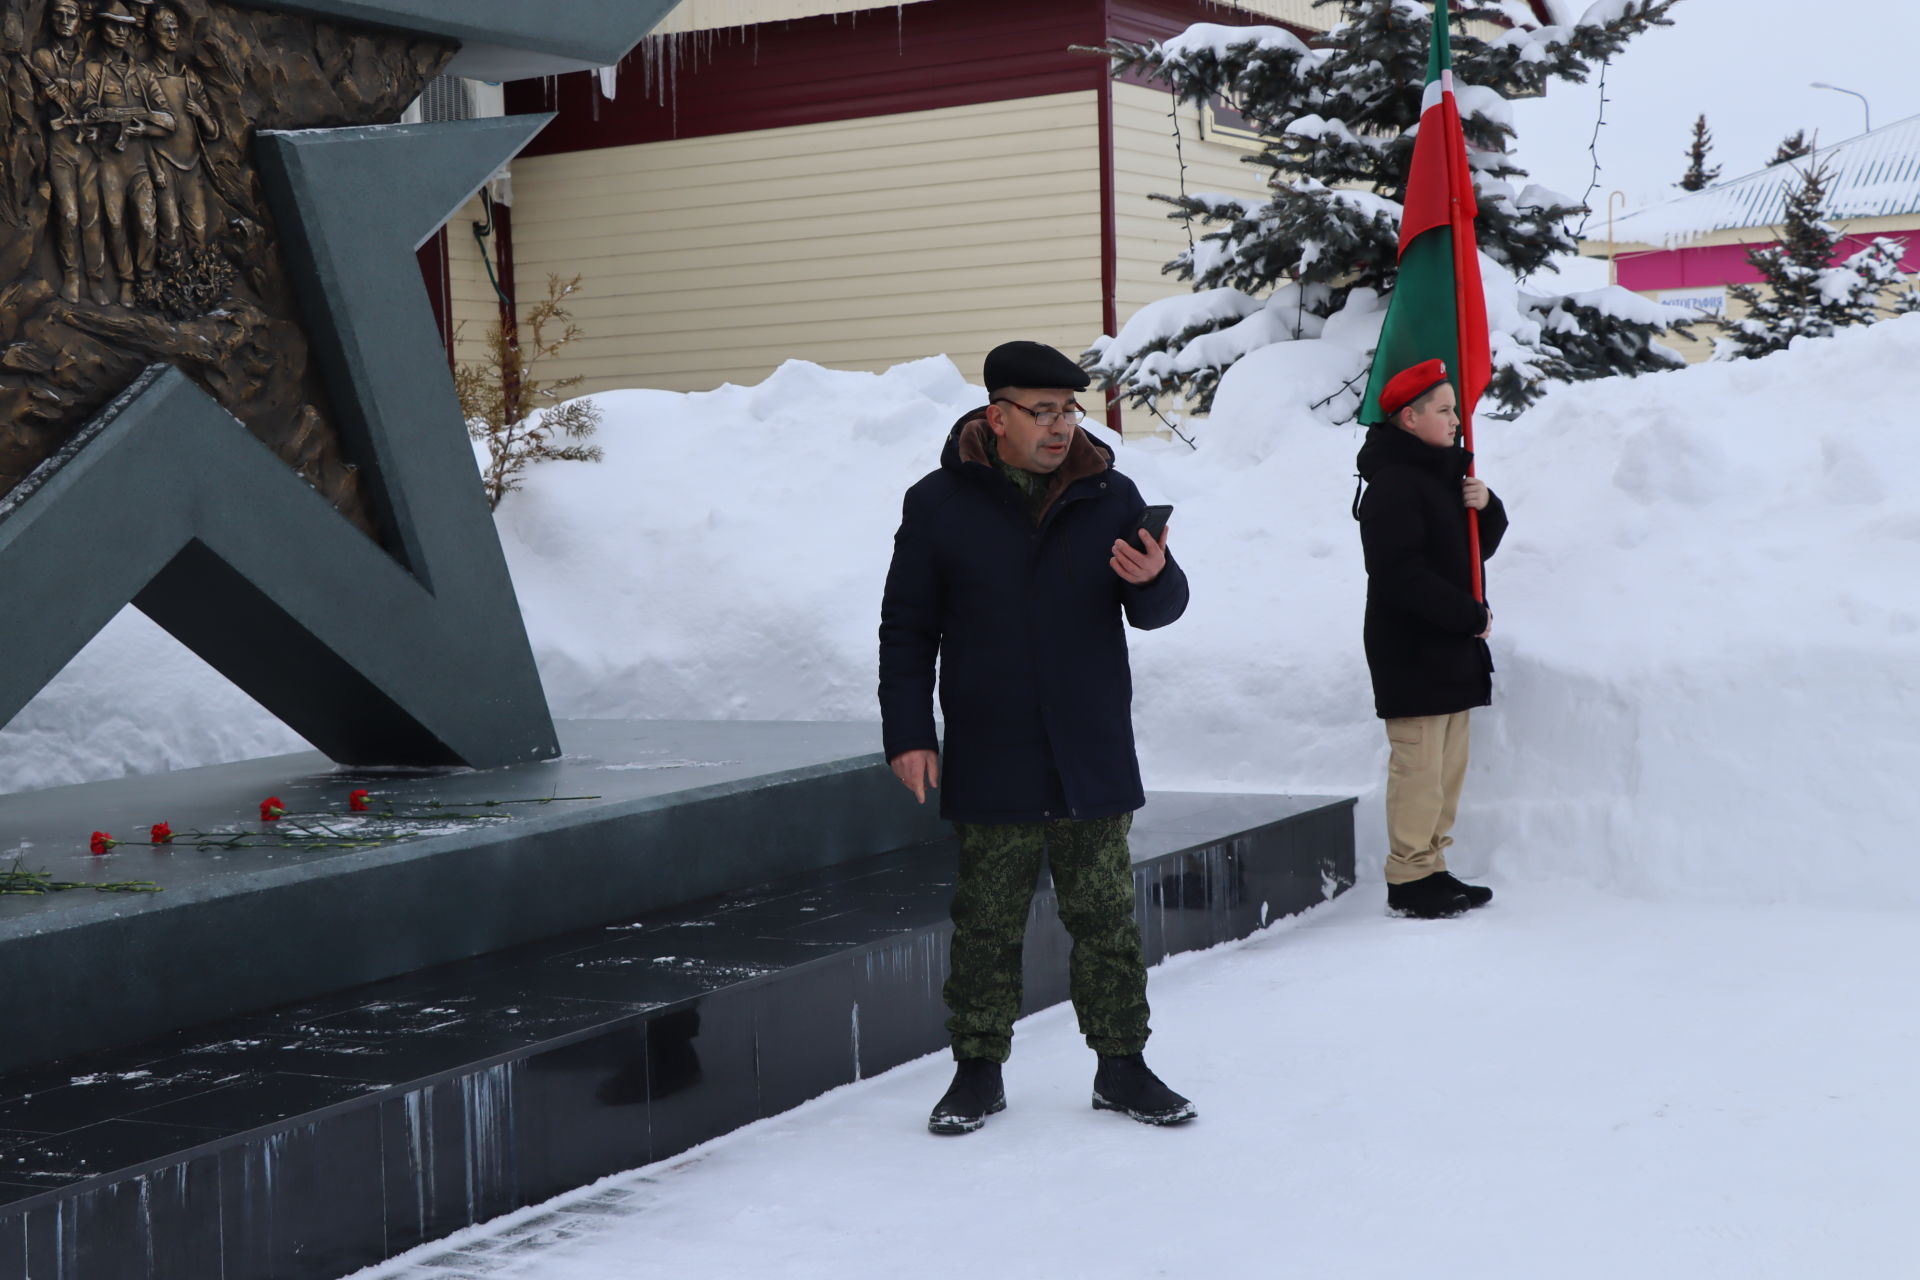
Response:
column 1478, row 895
column 1125, row 1084
column 975, row 1094
column 1435, row 897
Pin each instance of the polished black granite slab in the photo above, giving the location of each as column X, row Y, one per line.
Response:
column 681, row 810
column 309, row 1140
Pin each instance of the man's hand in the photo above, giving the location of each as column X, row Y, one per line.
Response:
column 1141, row 567
column 1489, row 631
column 917, row 771
column 1475, row 491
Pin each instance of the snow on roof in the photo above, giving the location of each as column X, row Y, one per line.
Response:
column 1875, row 175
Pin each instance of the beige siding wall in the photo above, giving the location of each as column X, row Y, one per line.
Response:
column 475, row 305
column 857, row 245
column 1700, row 348
column 1146, row 163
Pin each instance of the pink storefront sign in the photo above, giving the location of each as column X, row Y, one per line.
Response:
column 1713, row 266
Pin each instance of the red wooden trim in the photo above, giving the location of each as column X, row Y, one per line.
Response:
column 1142, row 20
column 503, row 267
column 917, row 57
column 880, row 61
column 436, row 268
column 1109, row 227
column 1158, row 19
column 510, row 287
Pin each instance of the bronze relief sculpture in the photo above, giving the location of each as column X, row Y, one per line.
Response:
column 223, row 396
column 133, row 226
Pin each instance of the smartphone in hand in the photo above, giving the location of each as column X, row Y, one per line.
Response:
column 1154, row 521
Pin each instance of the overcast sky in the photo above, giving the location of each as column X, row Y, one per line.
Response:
column 1747, row 64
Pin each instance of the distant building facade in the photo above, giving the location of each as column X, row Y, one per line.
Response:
column 857, row 186
column 1684, row 252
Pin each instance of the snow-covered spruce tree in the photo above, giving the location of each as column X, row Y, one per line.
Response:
column 1699, row 176
column 1791, row 147
column 1804, row 293
column 1339, row 121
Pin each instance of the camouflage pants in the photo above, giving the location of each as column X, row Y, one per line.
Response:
column 1093, row 879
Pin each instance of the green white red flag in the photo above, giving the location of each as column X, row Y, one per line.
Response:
column 1438, row 309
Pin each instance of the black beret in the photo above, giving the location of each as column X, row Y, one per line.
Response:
column 1033, row 364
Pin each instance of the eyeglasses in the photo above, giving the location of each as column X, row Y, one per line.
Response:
column 1073, row 413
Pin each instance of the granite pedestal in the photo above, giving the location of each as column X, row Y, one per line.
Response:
column 681, row 810
column 763, row 918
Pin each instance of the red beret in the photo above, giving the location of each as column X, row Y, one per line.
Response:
column 1410, row 384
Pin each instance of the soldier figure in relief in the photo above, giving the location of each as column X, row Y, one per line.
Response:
column 126, row 106
column 178, row 173
column 59, row 75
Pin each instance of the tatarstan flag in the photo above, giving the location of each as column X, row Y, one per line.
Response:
column 1438, row 309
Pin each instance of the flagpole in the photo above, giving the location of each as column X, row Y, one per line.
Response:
column 1474, row 561
column 1439, row 208
column 1465, row 254
column 1473, row 520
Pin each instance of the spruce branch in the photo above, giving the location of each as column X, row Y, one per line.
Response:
column 1339, row 119
column 1804, row 292
column 521, row 417
column 1699, row 175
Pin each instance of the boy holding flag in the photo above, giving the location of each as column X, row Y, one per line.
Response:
column 1427, row 524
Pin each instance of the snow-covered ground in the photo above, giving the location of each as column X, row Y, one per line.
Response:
column 1676, row 1045
column 1707, row 633
column 1566, row 1085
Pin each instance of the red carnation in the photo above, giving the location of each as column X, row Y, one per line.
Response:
column 271, row 809
column 357, row 800
column 101, row 842
column 161, row 833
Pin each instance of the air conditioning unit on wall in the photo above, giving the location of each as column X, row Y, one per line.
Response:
column 450, row 98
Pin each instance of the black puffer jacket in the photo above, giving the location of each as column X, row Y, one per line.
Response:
column 1422, row 620
column 1028, row 626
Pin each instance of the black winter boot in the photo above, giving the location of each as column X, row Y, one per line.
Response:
column 1478, row 895
column 1434, row 897
column 1126, row 1085
column 975, row 1094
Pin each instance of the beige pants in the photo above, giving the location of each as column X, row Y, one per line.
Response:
column 1428, row 764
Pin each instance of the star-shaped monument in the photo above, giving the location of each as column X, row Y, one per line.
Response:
column 223, row 393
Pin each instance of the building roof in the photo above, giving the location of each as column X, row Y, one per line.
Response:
column 1875, row 175
column 707, row 15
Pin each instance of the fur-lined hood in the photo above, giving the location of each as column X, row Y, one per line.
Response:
column 970, row 444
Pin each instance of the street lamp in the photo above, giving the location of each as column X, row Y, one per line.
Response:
column 1864, row 105
column 1613, row 264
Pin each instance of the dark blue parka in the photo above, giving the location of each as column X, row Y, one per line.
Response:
column 1422, row 622
column 1027, row 625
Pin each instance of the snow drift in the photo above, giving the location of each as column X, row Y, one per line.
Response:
column 1706, row 628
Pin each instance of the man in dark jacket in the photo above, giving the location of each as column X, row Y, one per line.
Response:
column 1426, row 634
column 1012, row 567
